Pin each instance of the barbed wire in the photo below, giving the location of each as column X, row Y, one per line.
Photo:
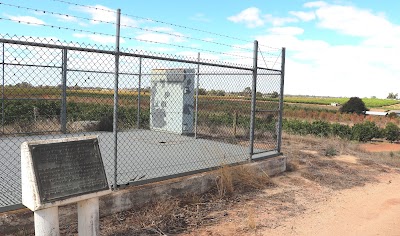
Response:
column 122, row 25
column 280, row 54
column 161, row 22
column 124, row 37
column 86, row 6
column 54, row 13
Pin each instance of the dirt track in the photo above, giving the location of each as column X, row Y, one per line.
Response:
column 370, row 210
column 305, row 208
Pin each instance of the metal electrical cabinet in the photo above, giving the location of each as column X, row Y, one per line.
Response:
column 172, row 101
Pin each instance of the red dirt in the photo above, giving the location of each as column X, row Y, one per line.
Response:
column 381, row 147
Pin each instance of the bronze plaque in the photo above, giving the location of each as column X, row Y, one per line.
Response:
column 68, row 169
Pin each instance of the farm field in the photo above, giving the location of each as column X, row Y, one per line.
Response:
column 369, row 102
column 94, row 104
column 46, row 92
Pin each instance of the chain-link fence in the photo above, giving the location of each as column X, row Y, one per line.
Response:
column 174, row 115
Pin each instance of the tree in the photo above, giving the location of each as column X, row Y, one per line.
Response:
column 247, row 91
column 392, row 96
column 24, row 85
column 364, row 132
column 202, row 91
column 392, row 132
column 274, row 94
column 354, row 105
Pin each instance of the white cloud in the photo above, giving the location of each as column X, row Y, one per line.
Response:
column 170, row 35
column 317, row 67
column 315, row 4
column 279, row 21
column 250, row 16
column 352, row 21
column 101, row 13
column 304, row 16
column 105, row 39
column 200, row 17
column 27, row 20
column 286, row 30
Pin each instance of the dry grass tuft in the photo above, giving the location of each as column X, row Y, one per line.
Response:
column 225, row 181
column 239, row 179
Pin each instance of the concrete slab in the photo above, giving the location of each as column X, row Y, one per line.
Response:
column 142, row 155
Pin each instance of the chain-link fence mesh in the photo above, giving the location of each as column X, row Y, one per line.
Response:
column 176, row 115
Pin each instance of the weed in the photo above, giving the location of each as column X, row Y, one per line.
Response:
column 330, row 151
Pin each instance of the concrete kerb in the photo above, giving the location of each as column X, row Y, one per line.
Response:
column 21, row 221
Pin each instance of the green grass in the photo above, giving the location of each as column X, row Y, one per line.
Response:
column 369, row 102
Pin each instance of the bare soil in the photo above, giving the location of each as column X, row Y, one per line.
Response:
column 381, row 147
column 353, row 192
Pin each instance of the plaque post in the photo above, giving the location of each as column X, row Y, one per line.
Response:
column 46, row 222
column 88, row 217
column 59, row 172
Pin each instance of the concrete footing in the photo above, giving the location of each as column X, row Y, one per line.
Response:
column 21, row 221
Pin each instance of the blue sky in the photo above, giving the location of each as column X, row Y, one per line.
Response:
column 335, row 48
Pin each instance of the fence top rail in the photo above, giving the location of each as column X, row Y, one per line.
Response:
column 74, row 48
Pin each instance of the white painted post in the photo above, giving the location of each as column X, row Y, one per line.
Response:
column 88, row 217
column 46, row 222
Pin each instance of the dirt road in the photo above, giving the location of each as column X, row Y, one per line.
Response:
column 370, row 210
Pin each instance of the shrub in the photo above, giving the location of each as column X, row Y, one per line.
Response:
column 298, row 127
column 320, row 128
column 392, row 132
column 354, row 105
column 342, row 131
column 106, row 123
column 364, row 132
column 330, row 151
column 392, row 115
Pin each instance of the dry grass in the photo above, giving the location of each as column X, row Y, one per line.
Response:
column 238, row 179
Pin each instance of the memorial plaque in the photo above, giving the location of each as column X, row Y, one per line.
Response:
column 67, row 169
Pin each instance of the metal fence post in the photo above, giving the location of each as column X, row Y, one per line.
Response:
column 2, row 92
column 197, row 96
column 281, row 100
column 253, row 100
column 63, row 118
column 115, row 115
column 139, row 88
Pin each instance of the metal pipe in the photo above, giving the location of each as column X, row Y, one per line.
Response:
column 63, row 119
column 123, row 54
column 279, row 136
column 139, row 88
column 253, row 100
column 115, row 115
column 33, row 65
column 2, row 92
column 197, row 97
